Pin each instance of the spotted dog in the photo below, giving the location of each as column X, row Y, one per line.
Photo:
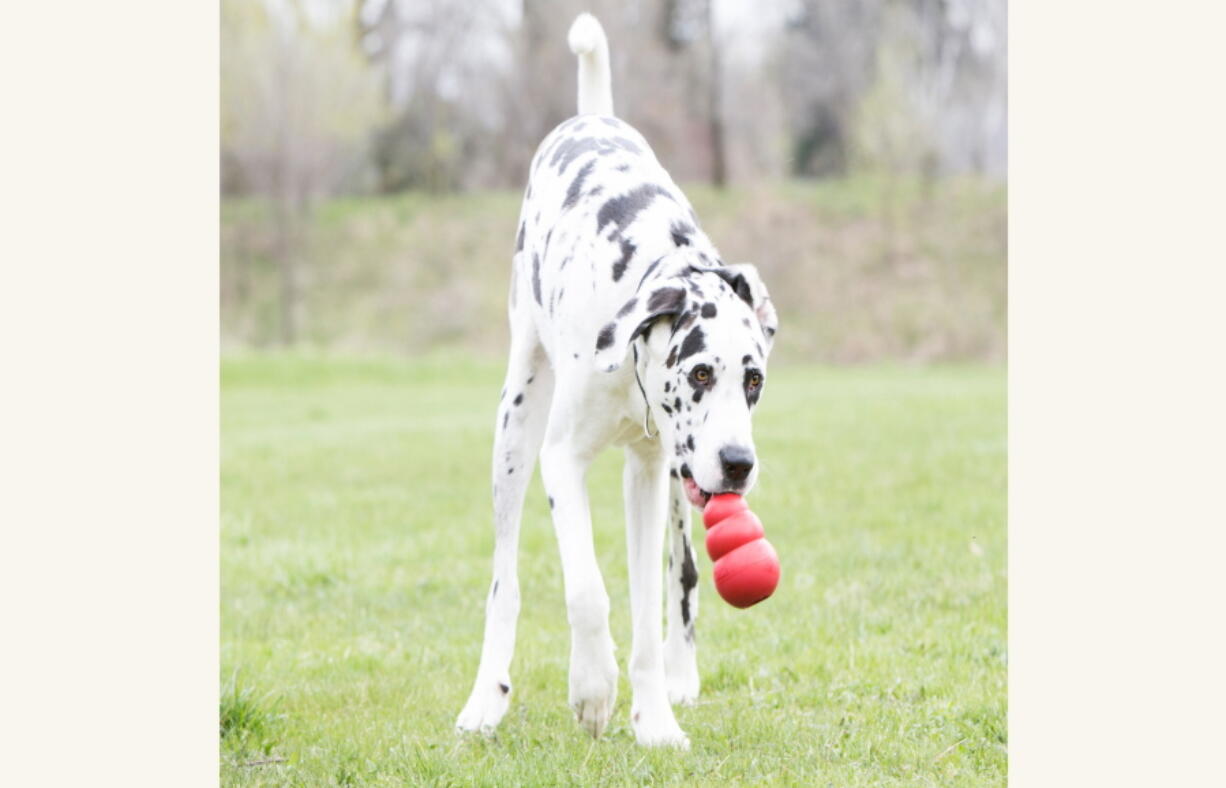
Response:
column 626, row 329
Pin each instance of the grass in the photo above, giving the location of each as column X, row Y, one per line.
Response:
column 860, row 269
column 356, row 540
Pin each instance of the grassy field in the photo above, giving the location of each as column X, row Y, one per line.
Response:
column 356, row 540
column 860, row 269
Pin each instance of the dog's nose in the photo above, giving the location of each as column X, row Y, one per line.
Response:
column 737, row 462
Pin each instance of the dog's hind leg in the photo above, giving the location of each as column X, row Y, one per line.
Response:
column 522, row 413
column 680, row 658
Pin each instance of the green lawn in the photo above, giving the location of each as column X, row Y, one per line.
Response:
column 356, row 540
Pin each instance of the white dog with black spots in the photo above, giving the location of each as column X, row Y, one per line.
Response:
column 626, row 329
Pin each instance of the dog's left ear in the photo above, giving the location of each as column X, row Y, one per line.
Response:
column 744, row 280
column 635, row 318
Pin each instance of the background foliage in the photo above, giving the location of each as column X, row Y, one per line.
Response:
column 372, row 154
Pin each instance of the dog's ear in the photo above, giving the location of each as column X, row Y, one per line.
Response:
column 744, row 280
column 634, row 318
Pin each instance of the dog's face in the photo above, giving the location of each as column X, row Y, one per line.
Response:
column 705, row 341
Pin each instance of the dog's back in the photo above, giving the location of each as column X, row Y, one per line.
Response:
column 598, row 213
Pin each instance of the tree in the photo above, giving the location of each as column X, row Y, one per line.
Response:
column 296, row 104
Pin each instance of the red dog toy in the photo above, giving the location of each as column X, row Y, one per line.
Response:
column 746, row 566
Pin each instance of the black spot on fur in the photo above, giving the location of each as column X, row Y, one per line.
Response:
column 673, row 473
column 689, row 579
column 626, row 144
column 667, row 386
column 609, row 122
column 746, row 359
column 622, row 167
column 698, row 395
column 694, row 342
column 494, row 590
column 576, row 186
column 551, row 502
column 627, row 307
column 619, row 267
column 672, row 357
column 684, row 322
column 622, row 210
column 685, row 471
column 505, row 416
column 681, row 234
column 667, row 409
column 689, row 442
column 519, row 239
column 510, row 471
column 605, row 337
column 536, row 277
column 519, row 398
column 708, row 310
column 677, row 404
column 504, row 687
column 666, row 299
column 737, row 282
column 570, row 149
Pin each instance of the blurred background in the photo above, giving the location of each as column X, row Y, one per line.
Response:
column 374, row 153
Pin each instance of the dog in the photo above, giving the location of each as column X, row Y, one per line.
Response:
column 627, row 329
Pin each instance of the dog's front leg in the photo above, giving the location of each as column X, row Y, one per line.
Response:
column 593, row 667
column 680, row 658
column 645, row 486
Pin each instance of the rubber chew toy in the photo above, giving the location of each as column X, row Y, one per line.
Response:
column 746, row 566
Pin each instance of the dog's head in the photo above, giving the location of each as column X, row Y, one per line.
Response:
column 701, row 341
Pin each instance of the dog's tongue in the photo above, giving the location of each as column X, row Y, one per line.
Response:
column 694, row 493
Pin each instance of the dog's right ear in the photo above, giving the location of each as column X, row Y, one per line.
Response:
column 635, row 318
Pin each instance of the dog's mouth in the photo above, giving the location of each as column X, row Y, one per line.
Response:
column 696, row 495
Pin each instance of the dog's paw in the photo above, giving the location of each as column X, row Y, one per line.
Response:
column 681, row 675
column 683, row 689
column 655, row 726
column 486, row 706
column 593, row 685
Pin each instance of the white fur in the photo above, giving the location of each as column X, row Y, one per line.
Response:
column 605, row 237
column 587, row 41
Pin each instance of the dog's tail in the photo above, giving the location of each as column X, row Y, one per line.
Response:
column 587, row 40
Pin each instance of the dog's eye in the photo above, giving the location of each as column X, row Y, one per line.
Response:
column 701, row 373
column 754, row 379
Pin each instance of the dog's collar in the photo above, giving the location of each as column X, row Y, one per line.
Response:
column 643, row 391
